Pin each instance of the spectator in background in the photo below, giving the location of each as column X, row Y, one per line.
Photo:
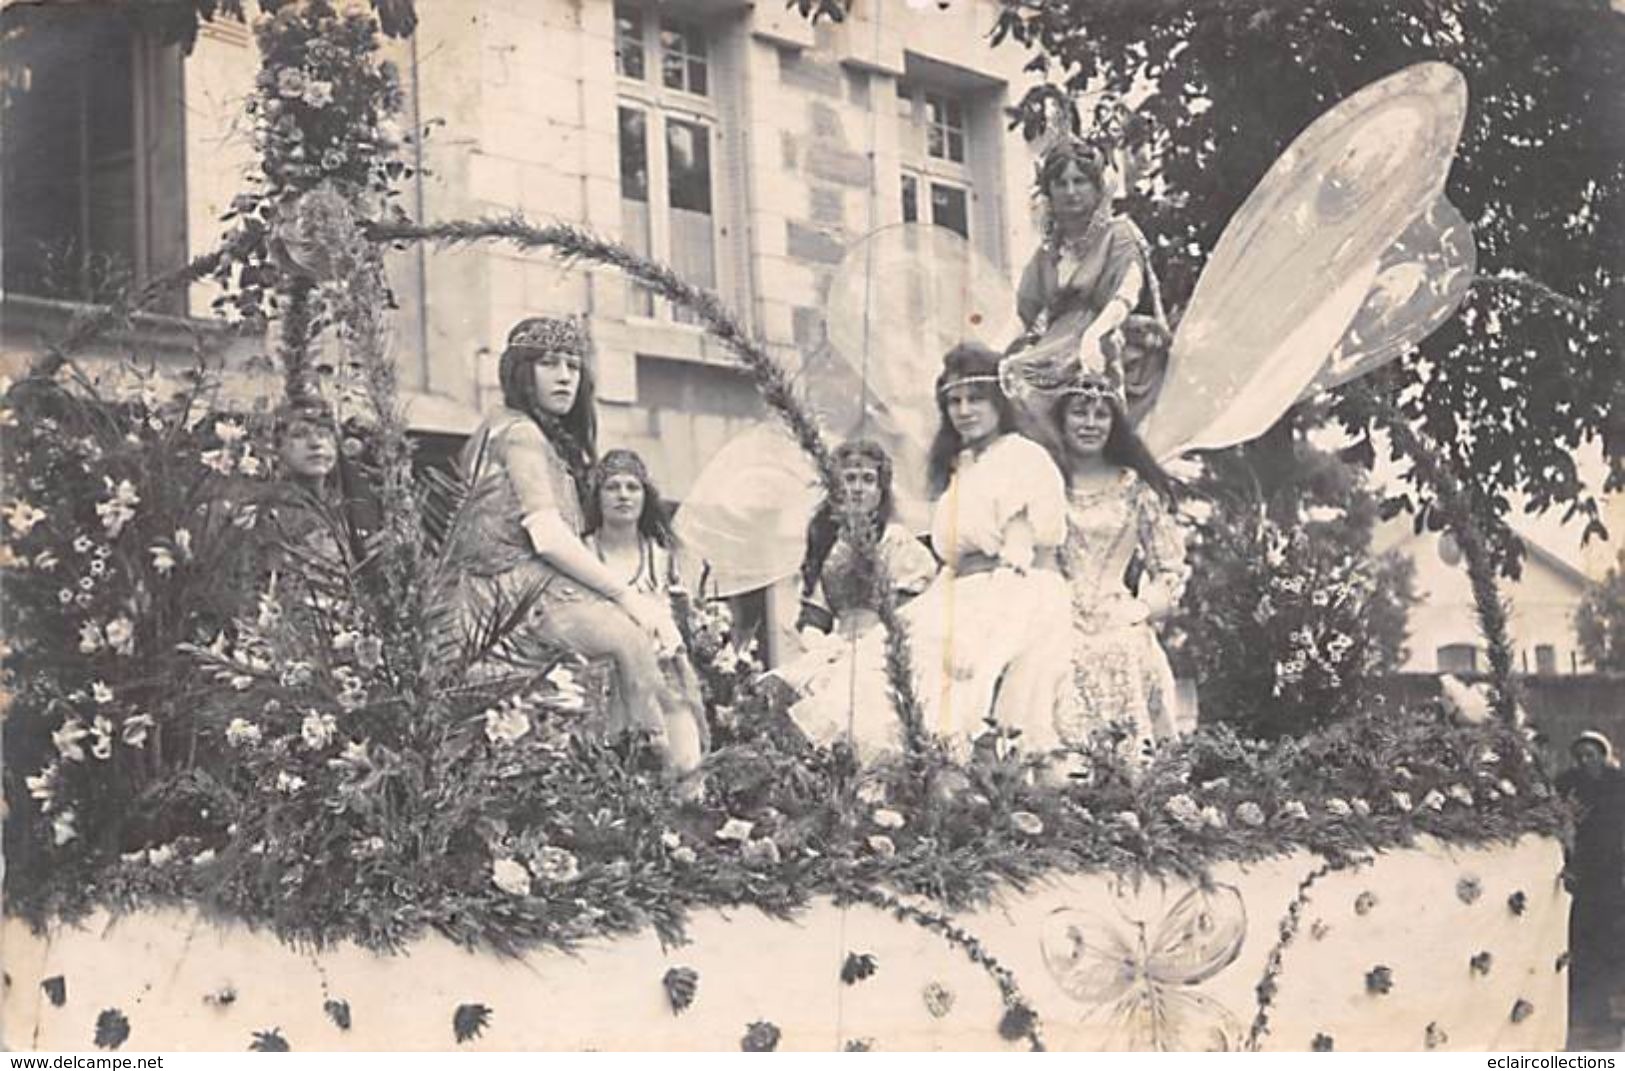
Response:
column 1595, row 876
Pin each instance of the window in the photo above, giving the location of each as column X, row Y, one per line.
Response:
column 628, row 42
column 937, row 186
column 668, row 145
column 950, row 205
column 682, row 58
column 1458, row 658
column 1545, row 659
column 93, row 169
column 945, row 128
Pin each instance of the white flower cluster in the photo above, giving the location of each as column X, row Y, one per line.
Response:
column 548, row 863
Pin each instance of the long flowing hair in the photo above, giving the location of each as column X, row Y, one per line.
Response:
column 825, row 527
column 575, row 434
column 1123, row 448
column 655, row 520
column 967, row 360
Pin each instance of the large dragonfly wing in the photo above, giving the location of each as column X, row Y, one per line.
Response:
column 900, row 299
column 1421, row 281
column 747, row 513
column 1297, row 261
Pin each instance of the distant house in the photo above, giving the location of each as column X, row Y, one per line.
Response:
column 1443, row 625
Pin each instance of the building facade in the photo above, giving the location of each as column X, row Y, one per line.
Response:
column 1443, row 633
column 737, row 142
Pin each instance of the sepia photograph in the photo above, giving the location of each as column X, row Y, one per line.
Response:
column 680, row 526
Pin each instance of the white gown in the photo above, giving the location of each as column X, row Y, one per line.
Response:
column 967, row 628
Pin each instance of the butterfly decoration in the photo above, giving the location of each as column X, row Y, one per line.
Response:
column 1136, row 965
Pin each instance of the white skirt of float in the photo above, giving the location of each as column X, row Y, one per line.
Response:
column 1431, row 947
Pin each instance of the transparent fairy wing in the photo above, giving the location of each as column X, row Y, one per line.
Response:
column 747, row 513
column 1297, row 261
column 1200, row 936
column 1421, row 281
column 900, row 299
column 1091, row 956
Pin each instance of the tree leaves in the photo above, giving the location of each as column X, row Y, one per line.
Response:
column 339, row 1012
column 760, row 1036
column 269, row 1041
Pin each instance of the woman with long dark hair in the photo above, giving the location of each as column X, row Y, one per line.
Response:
column 1119, row 513
column 628, row 524
column 537, row 451
column 998, row 519
column 853, row 539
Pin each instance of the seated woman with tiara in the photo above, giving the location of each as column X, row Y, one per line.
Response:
column 628, row 525
column 849, row 536
column 535, row 454
column 629, row 528
column 998, row 518
column 1081, row 288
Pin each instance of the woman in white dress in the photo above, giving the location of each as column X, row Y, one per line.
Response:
column 840, row 597
column 998, row 519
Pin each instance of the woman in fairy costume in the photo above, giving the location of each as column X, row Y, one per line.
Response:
column 536, row 453
column 1081, row 288
column 853, row 540
column 629, row 528
column 998, row 519
column 628, row 525
column 1119, row 521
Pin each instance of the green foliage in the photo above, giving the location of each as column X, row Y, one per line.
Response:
column 180, row 20
column 1600, row 621
column 1517, row 381
column 323, row 113
column 1287, row 619
column 126, row 536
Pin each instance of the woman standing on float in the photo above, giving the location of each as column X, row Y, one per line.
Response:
column 536, row 451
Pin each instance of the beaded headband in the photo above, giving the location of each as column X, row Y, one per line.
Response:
column 974, row 379
column 621, row 463
column 1094, row 386
column 863, row 454
column 305, row 409
column 550, row 334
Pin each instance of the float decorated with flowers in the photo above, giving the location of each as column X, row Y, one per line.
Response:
column 264, row 759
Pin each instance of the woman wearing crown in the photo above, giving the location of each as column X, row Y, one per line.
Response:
column 1079, row 291
column 535, row 453
column 1112, row 670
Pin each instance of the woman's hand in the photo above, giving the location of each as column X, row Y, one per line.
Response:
column 652, row 617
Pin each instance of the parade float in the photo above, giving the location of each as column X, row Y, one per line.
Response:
column 318, row 822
